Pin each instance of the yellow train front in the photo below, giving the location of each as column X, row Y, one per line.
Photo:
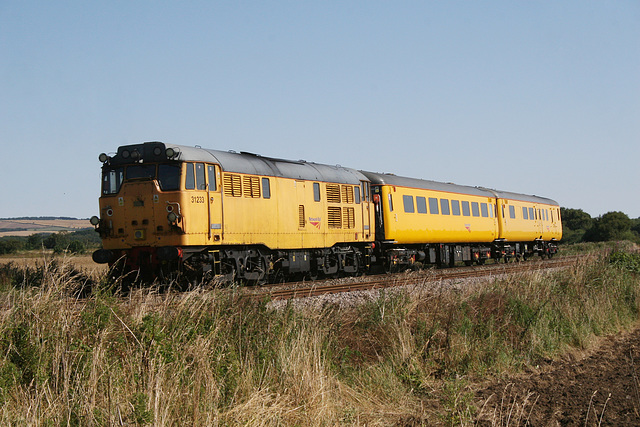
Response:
column 441, row 223
column 239, row 216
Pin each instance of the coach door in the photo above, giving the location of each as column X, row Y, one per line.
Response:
column 214, row 196
column 366, row 209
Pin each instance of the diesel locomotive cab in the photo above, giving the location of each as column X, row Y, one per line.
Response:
column 139, row 207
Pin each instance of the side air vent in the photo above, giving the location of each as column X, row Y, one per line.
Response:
column 333, row 193
column 334, row 217
column 301, row 218
column 347, row 194
column 349, row 218
column 232, row 185
column 251, row 186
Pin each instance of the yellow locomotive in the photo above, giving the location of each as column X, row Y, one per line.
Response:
column 241, row 216
column 237, row 215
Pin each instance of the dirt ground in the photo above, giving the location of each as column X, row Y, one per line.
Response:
column 596, row 387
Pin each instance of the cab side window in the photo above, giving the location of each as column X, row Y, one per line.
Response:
column 211, row 172
column 190, row 178
column 200, row 181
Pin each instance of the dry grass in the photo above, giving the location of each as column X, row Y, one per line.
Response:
column 210, row 358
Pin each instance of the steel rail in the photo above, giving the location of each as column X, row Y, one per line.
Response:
column 307, row 289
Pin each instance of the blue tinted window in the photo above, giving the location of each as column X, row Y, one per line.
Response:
column 465, row 209
column 421, row 202
column 408, row 204
column 444, row 206
column 484, row 209
column 433, row 206
column 455, row 207
column 475, row 209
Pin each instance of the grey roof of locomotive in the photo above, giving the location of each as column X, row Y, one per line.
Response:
column 401, row 181
column 253, row 164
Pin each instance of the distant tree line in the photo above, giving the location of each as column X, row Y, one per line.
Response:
column 578, row 226
column 76, row 242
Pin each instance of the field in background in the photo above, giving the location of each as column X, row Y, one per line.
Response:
column 40, row 258
column 27, row 227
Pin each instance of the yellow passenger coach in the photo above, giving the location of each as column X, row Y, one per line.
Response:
column 444, row 223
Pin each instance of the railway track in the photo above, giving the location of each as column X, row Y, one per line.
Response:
column 310, row 289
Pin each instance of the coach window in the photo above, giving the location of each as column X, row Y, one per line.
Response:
column 421, row 203
column 465, row 208
column 211, row 173
column 512, row 212
column 408, row 204
column 390, row 203
column 455, row 207
column 266, row 188
column 484, row 209
column 531, row 213
column 524, row 213
column 357, row 190
column 475, row 209
column 444, row 207
column 433, row 206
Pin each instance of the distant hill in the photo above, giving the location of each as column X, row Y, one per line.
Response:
column 26, row 226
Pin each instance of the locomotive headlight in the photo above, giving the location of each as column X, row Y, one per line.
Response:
column 173, row 217
column 94, row 220
column 126, row 154
column 170, row 152
column 135, row 155
column 157, row 151
column 103, row 157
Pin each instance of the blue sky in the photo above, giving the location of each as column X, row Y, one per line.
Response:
column 533, row 97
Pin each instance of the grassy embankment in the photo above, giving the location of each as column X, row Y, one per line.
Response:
column 209, row 358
